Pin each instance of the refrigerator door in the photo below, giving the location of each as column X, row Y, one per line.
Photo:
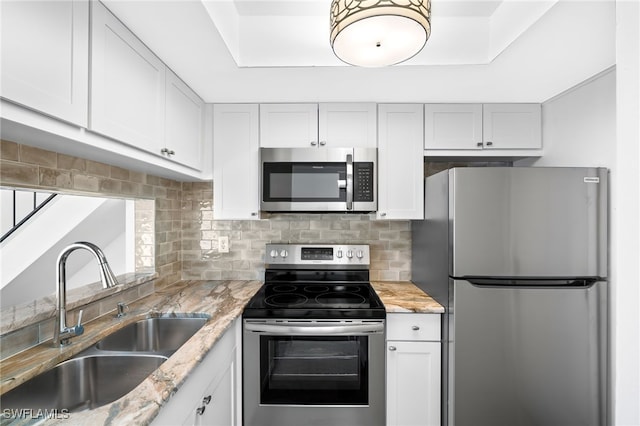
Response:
column 528, row 222
column 527, row 356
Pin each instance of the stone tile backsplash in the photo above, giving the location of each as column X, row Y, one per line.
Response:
column 186, row 234
column 390, row 241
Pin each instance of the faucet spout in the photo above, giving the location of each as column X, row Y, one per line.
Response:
column 62, row 333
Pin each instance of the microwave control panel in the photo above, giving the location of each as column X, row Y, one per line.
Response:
column 363, row 177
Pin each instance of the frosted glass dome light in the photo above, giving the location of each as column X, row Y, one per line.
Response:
column 375, row 33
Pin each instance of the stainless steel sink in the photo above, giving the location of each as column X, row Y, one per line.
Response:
column 83, row 383
column 108, row 370
column 164, row 334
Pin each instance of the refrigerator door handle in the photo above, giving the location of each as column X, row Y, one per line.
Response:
column 533, row 283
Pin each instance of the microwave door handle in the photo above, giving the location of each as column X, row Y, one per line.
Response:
column 349, row 181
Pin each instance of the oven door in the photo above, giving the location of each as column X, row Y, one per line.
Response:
column 331, row 371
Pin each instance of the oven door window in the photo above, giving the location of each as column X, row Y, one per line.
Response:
column 311, row 370
column 304, row 182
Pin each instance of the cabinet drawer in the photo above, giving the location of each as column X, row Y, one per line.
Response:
column 413, row 326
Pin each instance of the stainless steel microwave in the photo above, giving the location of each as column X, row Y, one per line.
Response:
column 318, row 179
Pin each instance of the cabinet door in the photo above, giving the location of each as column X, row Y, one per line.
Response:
column 127, row 85
column 45, row 57
column 400, row 162
column 512, row 126
column 453, row 126
column 413, row 383
column 347, row 125
column 218, row 403
column 235, row 162
column 216, row 376
column 184, row 123
column 288, row 125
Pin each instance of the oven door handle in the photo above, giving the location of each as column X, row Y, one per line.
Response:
column 316, row 330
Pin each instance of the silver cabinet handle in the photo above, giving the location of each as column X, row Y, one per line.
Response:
column 322, row 143
column 167, row 151
column 314, row 143
column 383, row 214
column 205, row 401
column 489, row 143
column 479, row 144
column 415, row 328
column 254, row 213
column 392, row 348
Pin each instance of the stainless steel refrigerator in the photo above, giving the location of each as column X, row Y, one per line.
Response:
column 518, row 256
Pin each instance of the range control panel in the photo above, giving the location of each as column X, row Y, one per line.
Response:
column 331, row 255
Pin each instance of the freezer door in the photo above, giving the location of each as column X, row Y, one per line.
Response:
column 528, row 222
column 527, row 356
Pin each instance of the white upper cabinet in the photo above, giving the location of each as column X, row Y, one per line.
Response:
column 483, row 130
column 127, row 84
column 347, row 125
column 334, row 125
column 288, row 125
column 184, row 126
column 137, row 100
column 235, row 161
column 512, row 126
column 45, row 57
column 400, row 161
column 453, row 126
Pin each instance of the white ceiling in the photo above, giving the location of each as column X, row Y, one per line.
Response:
column 278, row 51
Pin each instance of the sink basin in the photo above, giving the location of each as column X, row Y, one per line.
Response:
column 164, row 334
column 83, row 383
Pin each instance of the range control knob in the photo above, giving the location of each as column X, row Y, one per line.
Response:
column 349, row 254
column 339, row 254
column 284, row 253
column 359, row 254
column 273, row 253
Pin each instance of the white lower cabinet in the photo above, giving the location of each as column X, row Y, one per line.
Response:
column 413, row 369
column 212, row 393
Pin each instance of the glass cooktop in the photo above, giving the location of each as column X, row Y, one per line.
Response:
column 315, row 300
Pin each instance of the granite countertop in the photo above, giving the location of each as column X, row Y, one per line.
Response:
column 405, row 296
column 223, row 300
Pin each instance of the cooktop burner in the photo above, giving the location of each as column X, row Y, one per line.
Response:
column 317, row 295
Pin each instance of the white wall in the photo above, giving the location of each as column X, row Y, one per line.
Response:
column 585, row 126
column 579, row 126
column 625, row 218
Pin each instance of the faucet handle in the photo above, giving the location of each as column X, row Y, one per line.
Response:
column 79, row 328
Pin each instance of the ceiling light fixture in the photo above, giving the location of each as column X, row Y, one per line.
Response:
column 375, row 33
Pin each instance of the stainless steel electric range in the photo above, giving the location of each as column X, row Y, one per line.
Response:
column 313, row 339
